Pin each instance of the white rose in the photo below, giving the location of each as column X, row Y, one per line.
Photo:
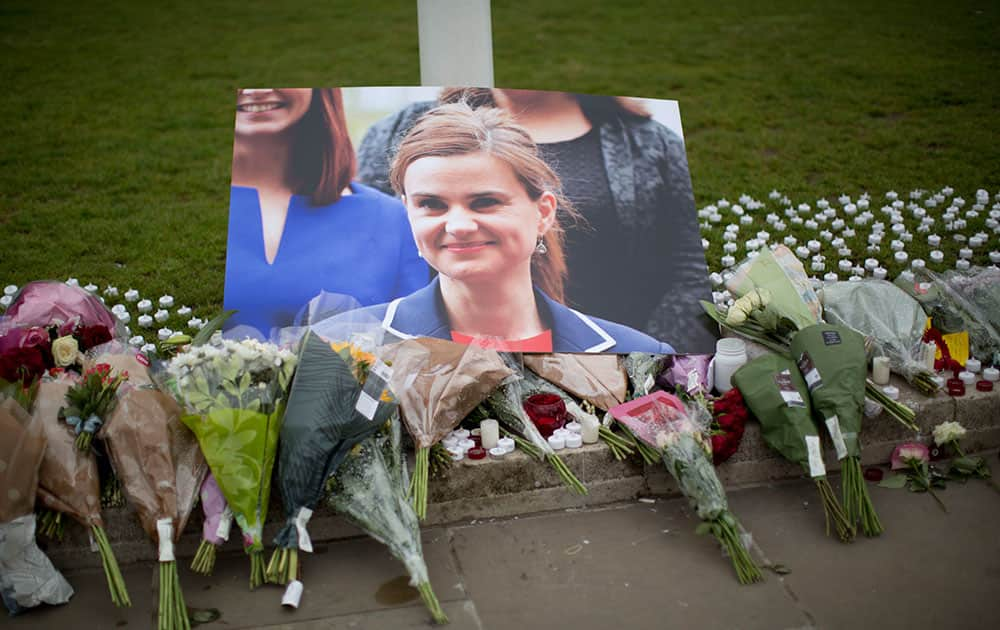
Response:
column 948, row 432
column 65, row 351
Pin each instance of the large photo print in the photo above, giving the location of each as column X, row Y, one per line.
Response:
column 520, row 220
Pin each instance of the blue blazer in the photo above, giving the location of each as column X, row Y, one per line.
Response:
column 422, row 314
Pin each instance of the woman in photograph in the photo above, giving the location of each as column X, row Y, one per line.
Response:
column 636, row 257
column 298, row 225
column 486, row 214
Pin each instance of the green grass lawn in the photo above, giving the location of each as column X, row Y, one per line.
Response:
column 117, row 119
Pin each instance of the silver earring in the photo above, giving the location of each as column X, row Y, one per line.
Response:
column 540, row 247
column 420, row 254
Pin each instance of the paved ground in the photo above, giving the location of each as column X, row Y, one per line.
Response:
column 636, row 565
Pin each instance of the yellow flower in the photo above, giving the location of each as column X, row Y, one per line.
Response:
column 65, row 351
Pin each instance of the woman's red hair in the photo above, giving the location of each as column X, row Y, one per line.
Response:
column 323, row 161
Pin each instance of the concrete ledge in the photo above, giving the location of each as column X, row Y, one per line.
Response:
column 477, row 490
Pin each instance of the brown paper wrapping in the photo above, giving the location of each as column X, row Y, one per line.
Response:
column 68, row 480
column 597, row 378
column 22, row 449
column 137, row 437
column 438, row 383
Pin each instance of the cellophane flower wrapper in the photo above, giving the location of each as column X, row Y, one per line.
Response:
column 832, row 361
column 438, row 383
column 776, row 392
column 339, row 397
column 679, row 434
column 780, row 272
column 69, row 482
column 215, row 527
column 890, row 317
column 596, row 378
column 27, row 577
column 687, row 371
column 959, row 301
column 369, row 489
column 47, row 302
column 234, row 393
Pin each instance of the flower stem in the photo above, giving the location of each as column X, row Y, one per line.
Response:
column 566, row 474
column 83, row 440
column 256, row 568
column 857, row 502
column 116, row 583
column 204, row 559
column 728, row 536
column 649, row 454
column 832, row 511
column 419, row 482
column 431, row 601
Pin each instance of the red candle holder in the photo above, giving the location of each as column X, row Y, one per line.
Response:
column 546, row 411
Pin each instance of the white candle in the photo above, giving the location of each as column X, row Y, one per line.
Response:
column 574, row 440
column 489, row 433
column 918, row 263
column 973, row 365
column 991, row 374
column 131, row 295
column 995, row 257
column 161, row 316
column 557, row 442
column 590, row 430
column 967, row 377
column 880, row 273
column 937, row 256
column 136, row 341
column 73, row 282
column 880, row 370
column 891, row 392
column 963, row 264
column 166, row 301
column 125, row 318
column 164, row 334
column 900, row 257
column 144, row 306
column 145, row 321
column 574, row 427
column 506, row 443
column 830, row 277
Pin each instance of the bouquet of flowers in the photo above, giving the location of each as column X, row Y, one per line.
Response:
column 215, row 528
column 369, row 490
column 27, row 577
column 729, row 418
column 90, row 401
column 69, row 482
column 506, row 404
column 48, row 325
column 235, row 394
column 890, row 318
column 643, row 370
column 775, row 302
column 778, row 397
column 339, row 398
column 661, row 421
column 438, row 383
column 964, row 301
column 832, row 361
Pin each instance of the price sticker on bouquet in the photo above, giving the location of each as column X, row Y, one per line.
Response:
column 809, row 372
column 367, row 406
column 836, row 436
column 786, row 388
column 816, row 466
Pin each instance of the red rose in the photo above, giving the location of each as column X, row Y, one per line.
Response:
column 26, row 363
column 91, row 336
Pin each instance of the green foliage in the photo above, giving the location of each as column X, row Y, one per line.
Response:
column 119, row 120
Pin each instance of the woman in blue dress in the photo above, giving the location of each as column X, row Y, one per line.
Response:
column 298, row 225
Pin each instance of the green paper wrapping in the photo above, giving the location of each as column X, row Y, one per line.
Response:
column 777, row 395
column 833, row 363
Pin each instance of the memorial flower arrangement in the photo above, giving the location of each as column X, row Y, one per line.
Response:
column 27, row 577
column 90, row 400
column 661, row 421
column 369, row 489
column 215, row 527
column 439, row 383
column 949, row 435
column 777, row 394
column 338, row 398
column 235, row 394
column 69, row 482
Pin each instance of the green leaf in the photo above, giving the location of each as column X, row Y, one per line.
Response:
column 703, row 528
column 893, row 481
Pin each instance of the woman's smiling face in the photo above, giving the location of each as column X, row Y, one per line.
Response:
column 268, row 111
column 472, row 218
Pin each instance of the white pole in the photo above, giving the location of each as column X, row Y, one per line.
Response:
column 456, row 42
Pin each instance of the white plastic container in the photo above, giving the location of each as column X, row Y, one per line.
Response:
column 730, row 354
